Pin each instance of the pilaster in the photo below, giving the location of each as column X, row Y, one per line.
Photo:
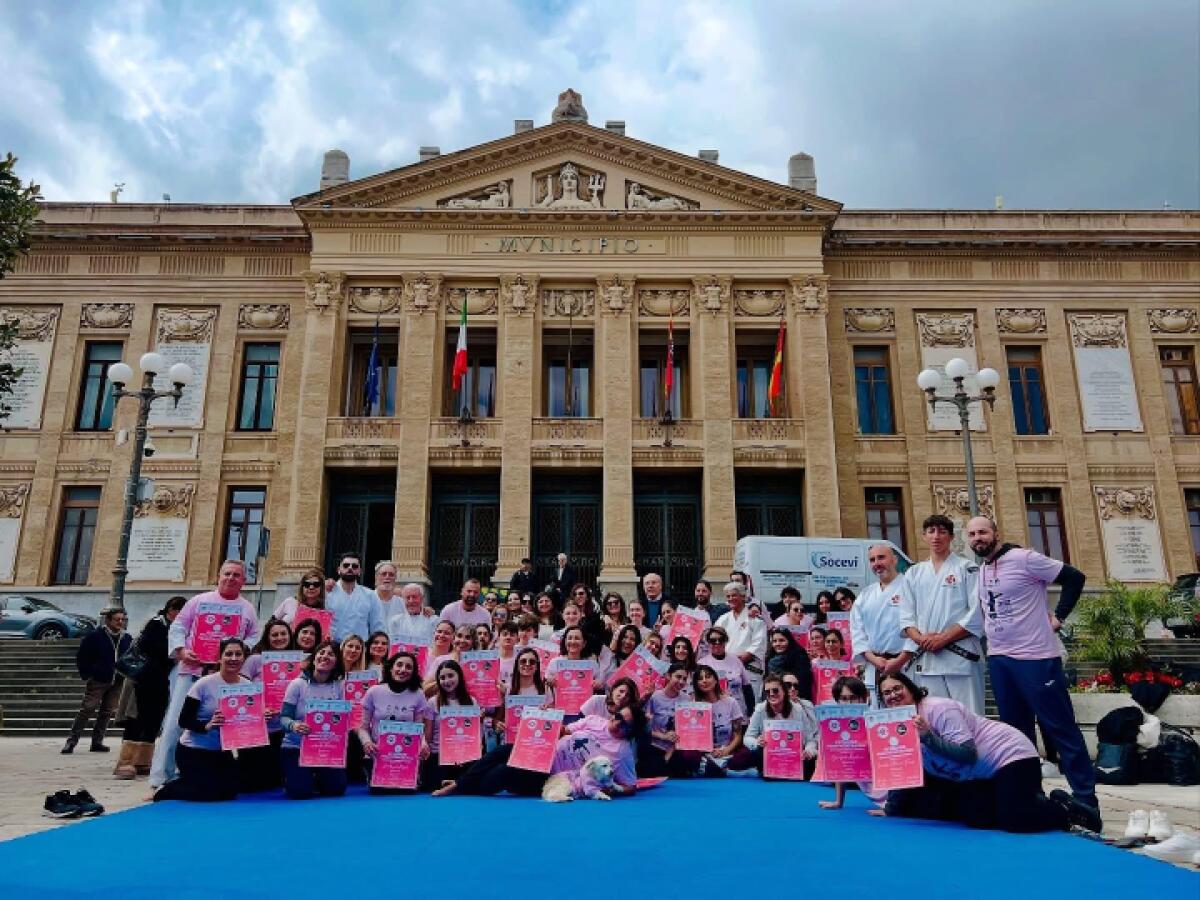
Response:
column 711, row 360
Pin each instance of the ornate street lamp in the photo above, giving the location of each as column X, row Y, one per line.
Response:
column 930, row 380
column 121, row 374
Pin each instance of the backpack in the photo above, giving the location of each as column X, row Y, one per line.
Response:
column 1117, row 763
column 1175, row 761
column 1120, row 726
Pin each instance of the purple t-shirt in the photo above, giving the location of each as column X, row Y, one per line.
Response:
column 725, row 715
column 456, row 615
column 299, row 692
column 208, row 691
column 660, row 710
column 997, row 744
column 591, row 737
column 381, row 703
column 1016, row 615
column 595, row 705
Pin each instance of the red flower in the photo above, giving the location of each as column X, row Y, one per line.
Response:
column 1133, row 677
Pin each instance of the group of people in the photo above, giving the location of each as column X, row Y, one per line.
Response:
column 914, row 641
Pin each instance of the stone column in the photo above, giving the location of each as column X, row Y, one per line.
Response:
column 519, row 352
column 418, row 405
column 616, row 349
column 912, row 422
column 711, row 362
column 808, row 347
column 323, row 323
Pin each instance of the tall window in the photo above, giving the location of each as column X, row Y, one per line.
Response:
column 243, row 526
column 569, row 396
column 872, row 381
column 357, row 403
column 260, row 372
column 76, row 533
column 754, row 365
column 1026, row 384
column 652, row 383
column 1191, row 499
column 95, row 394
column 885, row 515
column 478, row 392
column 1043, row 515
column 1179, row 386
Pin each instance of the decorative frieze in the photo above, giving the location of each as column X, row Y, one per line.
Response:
column 1180, row 320
column 712, row 293
column 494, row 196
column 955, row 330
column 264, row 316
column 479, row 301
column 375, row 300
column 323, row 290
column 663, row 302
column 1098, row 330
column 421, row 292
column 185, row 326
column 954, row 500
column 810, row 294
column 106, row 315
column 1129, row 528
column 518, row 293
column 36, row 328
column 12, row 500
column 175, row 502
column 568, row 187
column 759, row 302
column 1107, row 390
column 870, row 319
column 33, row 324
column 943, row 337
column 637, row 196
column 1021, row 320
column 1136, row 503
column 616, row 293
column 568, row 303
column 12, row 511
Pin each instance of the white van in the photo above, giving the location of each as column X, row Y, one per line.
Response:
column 809, row 564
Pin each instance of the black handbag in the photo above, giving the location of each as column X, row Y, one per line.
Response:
column 132, row 663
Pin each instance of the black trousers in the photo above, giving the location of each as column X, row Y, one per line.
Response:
column 152, row 698
column 204, row 776
column 654, row 763
column 259, row 768
column 303, row 782
column 492, row 774
column 1011, row 800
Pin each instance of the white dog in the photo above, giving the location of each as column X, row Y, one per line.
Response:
column 593, row 781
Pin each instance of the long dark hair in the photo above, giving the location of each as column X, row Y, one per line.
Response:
column 775, row 678
column 691, row 652
column 339, row 668
column 313, row 624
column 538, row 681
column 637, row 640
column 634, row 705
column 793, row 659
column 918, row 693
column 414, row 680
column 700, row 670
column 820, row 617
column 562, row 643
column 462, row 697
column 264, row 642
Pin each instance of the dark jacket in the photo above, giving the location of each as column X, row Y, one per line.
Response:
column 565, row 583
column 153, row 643
column 524, row 582
column 97, row 655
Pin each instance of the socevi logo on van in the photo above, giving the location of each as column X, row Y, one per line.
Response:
column 832, row 559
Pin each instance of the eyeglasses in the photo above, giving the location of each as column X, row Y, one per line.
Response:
column 774, row 690
column 527, row 662
column 310, row 584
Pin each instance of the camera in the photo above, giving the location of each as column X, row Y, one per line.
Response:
column 148, row 449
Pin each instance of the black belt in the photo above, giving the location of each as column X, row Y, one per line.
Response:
column 953, row 648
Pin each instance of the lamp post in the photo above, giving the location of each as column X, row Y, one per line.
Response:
column 930, row 379
column 121, row 374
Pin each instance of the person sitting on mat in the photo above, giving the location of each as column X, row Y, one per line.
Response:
column 322, row 680
column 779, row 704
column 658, row 755
column 848, row 689
column 206, row 772
column 726, row 665
column 398, row 698
column 450, row 690
column 980, row 772
column 572, row 647
column 728, row 720
column 260, row 765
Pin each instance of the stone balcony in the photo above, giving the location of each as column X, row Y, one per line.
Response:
column 361, row 430
column 453, row 441
column 677, row 434
column 761, row 440
column 568, row 432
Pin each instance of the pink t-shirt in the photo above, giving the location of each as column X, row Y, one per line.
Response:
column 591, row 737
column 457, row 615
column 1016, row 615
column 997, row 744
column 725, row 715
column 660, row 710
column 381, row 703
column 182, row 631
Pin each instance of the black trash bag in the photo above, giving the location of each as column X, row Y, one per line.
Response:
column 1120, row 726
column 1116, row 763
column 1180, row 757
column 1149, row 695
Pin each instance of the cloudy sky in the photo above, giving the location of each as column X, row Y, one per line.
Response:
column 920, row 103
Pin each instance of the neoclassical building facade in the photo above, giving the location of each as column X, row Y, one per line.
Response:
column 578, row 253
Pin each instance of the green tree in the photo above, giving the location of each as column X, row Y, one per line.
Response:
column 18, row 213
column 1111, row 626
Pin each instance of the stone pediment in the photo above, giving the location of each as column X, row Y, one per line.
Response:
column 566, row 167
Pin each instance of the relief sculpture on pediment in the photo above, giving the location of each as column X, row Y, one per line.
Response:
column 560, row 188
column 639, row 197
column 494, row 196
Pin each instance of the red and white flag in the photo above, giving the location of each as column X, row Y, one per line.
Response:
column 460, row 352
column 669, row 377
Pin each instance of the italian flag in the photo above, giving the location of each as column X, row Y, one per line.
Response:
column 669, row 375
column 460, row 352
column 775, row 386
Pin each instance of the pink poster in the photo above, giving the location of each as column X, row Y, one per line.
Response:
column 354, row 688
column 324, row 747
column 783, row 749
column 411, row 644
column 799, row 634
column 245, row 716
column 825, row 673
column 841, row 621
column 644, row 668
column 536, row 740
column 514, row 708
column 895, row 747
column 546, row 651
column 573, row 684
column 844, row 753
column 324, row 618
column 694, row 726
column 215, row 621
column 482, row 671
column 279, row 669
column 459, row 735
column 690, row 624
column 397, row 755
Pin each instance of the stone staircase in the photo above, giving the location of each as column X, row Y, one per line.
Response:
column 39, row 688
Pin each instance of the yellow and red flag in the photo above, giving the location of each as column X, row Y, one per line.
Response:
column 775, row 386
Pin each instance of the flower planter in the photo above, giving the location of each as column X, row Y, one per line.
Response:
column 1182, row 710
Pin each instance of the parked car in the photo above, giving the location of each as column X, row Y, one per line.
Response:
column 41, row 620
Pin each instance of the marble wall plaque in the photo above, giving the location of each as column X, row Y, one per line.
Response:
column 1107, row 391
column 36, row 328
column 12, row 513
column 1129, row 528
column 158, row 541
column 183, row 336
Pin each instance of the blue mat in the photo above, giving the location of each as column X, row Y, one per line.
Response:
column 698, row 838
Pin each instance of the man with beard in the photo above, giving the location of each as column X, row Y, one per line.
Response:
column 875, row 632
column 356, row 609
column 1024, row 656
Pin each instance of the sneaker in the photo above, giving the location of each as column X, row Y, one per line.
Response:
column 59, row 805
column 1181, row 847
column 1160, row 826
column 1139, row 824
column 1085, row 815
column 87, row 804
column 1050, row 770
column 69, row 746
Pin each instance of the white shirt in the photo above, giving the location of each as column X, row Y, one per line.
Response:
column 418, row 627
column 457, row 615
column 358, row 612
column 746, row 634
column 875, row 623
column 936, row 600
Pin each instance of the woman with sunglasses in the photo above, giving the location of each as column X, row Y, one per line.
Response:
column 844, row 597
column 612, row 734
column 728, row 720
column 526, row 681
column 321, row 681
column 779, row 704
column 794, row 616
column 311, row 593
column 727, row 665
column 614, row 612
